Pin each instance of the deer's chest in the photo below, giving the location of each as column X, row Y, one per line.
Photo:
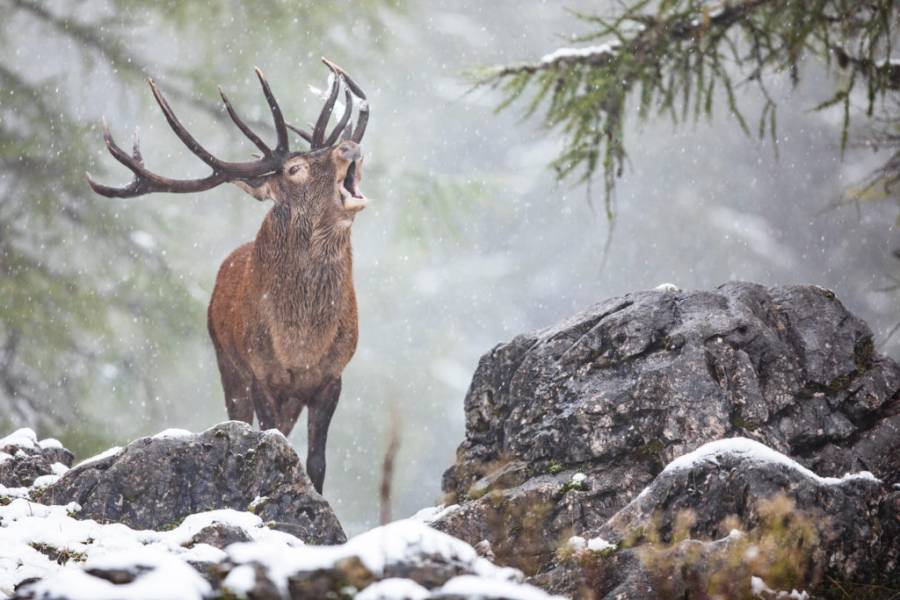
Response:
column 302, row 352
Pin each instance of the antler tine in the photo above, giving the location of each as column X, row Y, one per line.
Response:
column 251, row 135
column 280, row 128
column 302, row 133
column 136, row 148
column 325, row 115
column 108, row 191
column 354, row 87
column 145, row 181
column 361, row 122
column 134, row 163
column 363, row 117
column 345, row 118
column 182, row 133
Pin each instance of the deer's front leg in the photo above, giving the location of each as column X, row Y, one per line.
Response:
column 265, row 404
column 319, row 417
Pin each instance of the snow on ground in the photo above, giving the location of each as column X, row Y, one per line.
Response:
column 109, row 452
column 434, row 513
column 44, row 480
column 473, row 586
column 392, row 588
column 761, row 590
column 240, row 580
column 14, row 492
column 598, row 544
column 576, row 543
column 29, row 532
column 172, row 433
column 21, row 438
column 35, row 539
column 404, row 541
column 26, row 438
column 257, row 503
column 753, row 450
column 667, row 287
column 166, row 578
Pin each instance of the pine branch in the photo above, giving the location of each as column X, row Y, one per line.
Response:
column 652, row 33
column 885, row 71
column 673, row 61
column 122, row 60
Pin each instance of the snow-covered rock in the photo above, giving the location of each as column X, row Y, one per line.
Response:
column 73, row 559
column 57, row 552
column 156, row 481
column 732, row 515
column 24, row 459
column 618, row 391
column 753, row 451
column 35, row 540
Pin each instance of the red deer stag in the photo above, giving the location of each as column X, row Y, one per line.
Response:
column 283, row 312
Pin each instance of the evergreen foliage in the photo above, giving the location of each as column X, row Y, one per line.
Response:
column 88, row 304
column 676, row 57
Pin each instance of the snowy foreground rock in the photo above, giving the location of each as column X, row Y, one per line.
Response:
column 566, row 426
column 155, row 482
column 55, row 552
column 743, row 443
column 733, row 512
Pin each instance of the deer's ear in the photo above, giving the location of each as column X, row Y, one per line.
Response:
column 257, row 187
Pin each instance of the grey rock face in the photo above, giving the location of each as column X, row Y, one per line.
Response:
column 618, row 391
column 712, row 526
column 153, row 483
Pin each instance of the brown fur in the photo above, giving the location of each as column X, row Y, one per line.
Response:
column 283, row 315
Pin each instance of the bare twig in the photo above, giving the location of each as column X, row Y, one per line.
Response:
column 387, row 467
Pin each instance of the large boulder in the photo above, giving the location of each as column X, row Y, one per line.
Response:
column 565, row 426
column 735, row 519
column 155, row 482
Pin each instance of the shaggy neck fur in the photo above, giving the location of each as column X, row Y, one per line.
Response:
column 306, row 263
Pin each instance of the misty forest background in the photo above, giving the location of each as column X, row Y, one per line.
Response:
column 469, row 240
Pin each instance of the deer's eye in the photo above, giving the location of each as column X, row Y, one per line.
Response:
column 293, row 170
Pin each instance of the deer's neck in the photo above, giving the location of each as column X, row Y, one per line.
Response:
column 305, row 267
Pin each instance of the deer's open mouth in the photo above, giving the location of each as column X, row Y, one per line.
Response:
column 351, row 197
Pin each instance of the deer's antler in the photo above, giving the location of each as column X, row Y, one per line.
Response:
column 146, row 181
column 319, row 138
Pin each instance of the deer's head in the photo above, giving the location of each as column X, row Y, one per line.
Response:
column 322, row 182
